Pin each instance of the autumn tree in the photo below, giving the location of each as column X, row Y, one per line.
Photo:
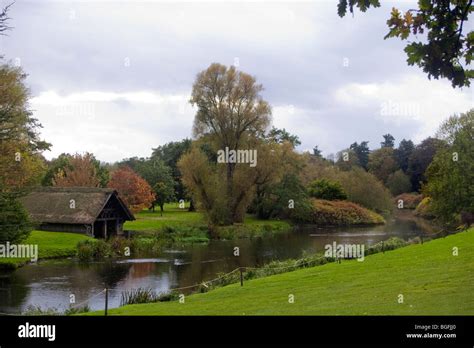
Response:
column 448, row 49
column 59, row 165
column 231, row 114
column 21, row 161
column 20, row 144
column 133, row 189
column 80, row 171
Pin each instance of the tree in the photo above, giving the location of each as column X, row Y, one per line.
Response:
column 170, row 153
column 389, row 141
column 277, row 182
column 281, row 135
column 447, row 50
column 420, row 159
column 58, row 166
column 133, row 189
column 21, row 162
column 282, row 199
column 159, row 177
column 347, row 159
column 15, row 225
column 325, row 189
column 450, row 176
column 382, row 163
column 317, row 152
column 403, row 153
column 231, row 114
column 3, row 19
column 80, row 171
column 20, row 145
column 362, row 151
column 398, row 182
column 164, row 193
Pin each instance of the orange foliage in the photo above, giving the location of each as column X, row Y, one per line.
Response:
column 81, row 173
column 132, row 188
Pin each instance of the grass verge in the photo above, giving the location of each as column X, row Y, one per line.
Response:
column 50, row 245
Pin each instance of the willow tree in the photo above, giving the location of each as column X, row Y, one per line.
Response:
column 231, row 114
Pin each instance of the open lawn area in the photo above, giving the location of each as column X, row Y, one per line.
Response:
column 430, row 278
column 50, row 245
column 173, row 216
column 193, row 223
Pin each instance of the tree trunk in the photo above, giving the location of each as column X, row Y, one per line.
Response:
column 161, row 209
column 229, row 194
column 191, row 205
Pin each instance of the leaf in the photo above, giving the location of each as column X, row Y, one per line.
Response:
column 342, row 8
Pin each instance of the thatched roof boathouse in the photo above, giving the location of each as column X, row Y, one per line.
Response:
column 97, row 212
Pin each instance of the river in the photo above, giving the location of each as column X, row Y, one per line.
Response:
column 50, row 283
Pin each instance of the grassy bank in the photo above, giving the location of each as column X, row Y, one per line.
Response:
column 182, row 226
column 50, row 245
column 431, row 280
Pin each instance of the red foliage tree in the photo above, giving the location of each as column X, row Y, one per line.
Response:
column 132, row 188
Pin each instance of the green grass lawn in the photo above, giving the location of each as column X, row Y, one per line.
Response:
column 173, row 216
column 50, row 245
column 431, row 280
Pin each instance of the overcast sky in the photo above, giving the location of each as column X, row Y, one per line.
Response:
column 114, row 77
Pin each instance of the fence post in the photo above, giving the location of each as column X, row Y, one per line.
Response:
column 106, row 300
column 242, row 276
column 421, row 239
column 383, row 248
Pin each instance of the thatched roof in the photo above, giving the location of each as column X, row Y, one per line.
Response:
column 52, row 204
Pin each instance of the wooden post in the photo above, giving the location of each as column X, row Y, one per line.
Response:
column 421, row 239
column 242, row 276
column 105, row 229
column 383, row 248
column 106, row 300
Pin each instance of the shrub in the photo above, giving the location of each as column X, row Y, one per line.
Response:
column 72, row 310
column 410, row 200
column 86, row 250
column 326, row 189
column 340, row 213
column 361, row 187
column 389, row 244
column 424, row 209
column 140, row 295
column 32, row 310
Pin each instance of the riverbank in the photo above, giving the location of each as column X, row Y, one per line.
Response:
column 50, row 245
column 430, row 278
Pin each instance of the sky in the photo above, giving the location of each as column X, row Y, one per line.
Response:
column 114, row 77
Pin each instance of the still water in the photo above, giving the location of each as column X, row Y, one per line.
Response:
column 50, row 283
